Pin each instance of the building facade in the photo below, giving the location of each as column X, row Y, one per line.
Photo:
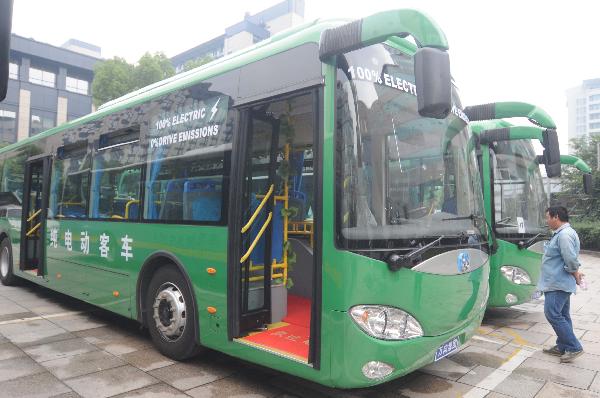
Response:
column 583, row 103
column 251, row 30
column 47, row 86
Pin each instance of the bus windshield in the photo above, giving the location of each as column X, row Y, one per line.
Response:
column 400, row 177
column 520, row 200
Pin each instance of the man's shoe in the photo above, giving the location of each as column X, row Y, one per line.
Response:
column 569, row 356
column 553, row 351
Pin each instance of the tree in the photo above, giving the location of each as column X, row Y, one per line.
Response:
column 194, row 63
column 115, row 77
column 588, row 206
column 151, row 69
column 112, row 79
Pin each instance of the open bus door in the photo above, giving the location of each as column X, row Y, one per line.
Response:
column 34, row 214
column 258, row 219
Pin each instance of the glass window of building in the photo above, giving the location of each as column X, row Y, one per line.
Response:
column 43, row 77
column 580, row 119
column 8, row 126
column 594, row 125
column 580, row 101
column 595, row 97
column 40, row 123
column 77, row 85
column 13, row 71
column 595, row 107
column 580, row 129
column 594, row 116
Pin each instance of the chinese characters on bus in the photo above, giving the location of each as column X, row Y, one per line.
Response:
column 103, row 243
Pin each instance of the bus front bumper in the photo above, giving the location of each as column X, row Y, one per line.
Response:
column 353, row 348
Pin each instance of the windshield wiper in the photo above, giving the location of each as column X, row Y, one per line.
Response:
column 397, row 261
column 523, row 245
column 471, row 217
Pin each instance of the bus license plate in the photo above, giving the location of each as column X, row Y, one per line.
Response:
column 447, row 348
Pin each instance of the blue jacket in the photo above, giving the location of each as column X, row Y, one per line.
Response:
column 560, row 260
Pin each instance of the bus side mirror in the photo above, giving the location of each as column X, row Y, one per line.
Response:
column 588, row 186
column 433, row 81
column 551, row 147
column 551, row 153
column 553, row 170
column 6, row 7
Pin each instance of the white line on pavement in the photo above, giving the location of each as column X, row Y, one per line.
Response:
column 497, row 376
column 37, row 318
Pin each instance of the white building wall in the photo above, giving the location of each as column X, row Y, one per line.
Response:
column 284, row 22
column 583, row 104
column 237, row 42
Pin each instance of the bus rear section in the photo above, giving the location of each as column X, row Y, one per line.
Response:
column 408, row 268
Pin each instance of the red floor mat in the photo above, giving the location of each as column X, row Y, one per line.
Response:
column 298, row 311
column 289, row 340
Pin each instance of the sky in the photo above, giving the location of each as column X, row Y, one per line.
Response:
column 530, row 51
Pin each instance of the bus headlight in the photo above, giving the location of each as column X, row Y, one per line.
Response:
column 516, row 275
column 377, row 370
column 387, row 323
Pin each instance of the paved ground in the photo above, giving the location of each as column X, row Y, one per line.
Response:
column 51, row 345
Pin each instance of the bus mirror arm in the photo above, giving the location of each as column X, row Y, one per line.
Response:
column 431, row 60
column 505, row 110
column 396, row 261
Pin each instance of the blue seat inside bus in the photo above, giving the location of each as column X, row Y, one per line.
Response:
column 71, row 210
column 257, row 256
column 202, row 200
column 172, row 205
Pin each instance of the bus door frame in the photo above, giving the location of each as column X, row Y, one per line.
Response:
column 46, row 163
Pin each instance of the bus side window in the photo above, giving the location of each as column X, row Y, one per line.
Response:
column 116, row 176
column 70, row 182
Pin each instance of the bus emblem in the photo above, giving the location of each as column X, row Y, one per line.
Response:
column 463, row 262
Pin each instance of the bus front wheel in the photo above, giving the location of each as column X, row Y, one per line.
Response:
column 6, row 265
column 171, row 315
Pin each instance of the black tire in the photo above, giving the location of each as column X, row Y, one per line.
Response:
column 167, row 288
column 6, row 264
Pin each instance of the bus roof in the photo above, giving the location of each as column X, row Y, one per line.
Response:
column 309, row 32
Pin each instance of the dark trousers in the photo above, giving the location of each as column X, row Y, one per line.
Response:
column 556, row 308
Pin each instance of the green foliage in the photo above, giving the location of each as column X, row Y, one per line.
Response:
column 289, row 212
column 151, row 69
column 112, row 79
column 589, row 234
column 194, row 63
column 115, row 77
column 584, row 207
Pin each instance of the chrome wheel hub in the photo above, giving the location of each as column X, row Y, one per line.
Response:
column 4, row 262
column 169, row 311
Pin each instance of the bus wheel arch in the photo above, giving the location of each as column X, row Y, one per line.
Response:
column 165, row 266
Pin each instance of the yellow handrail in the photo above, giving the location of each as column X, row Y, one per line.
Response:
column 31, row 217
column 258, row 209
column 258, row 236
column 131, row 202
column 32, row 230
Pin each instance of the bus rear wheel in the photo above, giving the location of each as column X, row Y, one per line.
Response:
column 170, row 314
column 6, row 265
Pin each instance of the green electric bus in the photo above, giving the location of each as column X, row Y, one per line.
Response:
column 516, row 198
column 309, row 204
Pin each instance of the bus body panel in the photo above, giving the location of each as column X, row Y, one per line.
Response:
column 355, row 348
column 509, row 254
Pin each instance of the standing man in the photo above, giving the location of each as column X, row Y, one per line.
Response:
column 560, row 277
